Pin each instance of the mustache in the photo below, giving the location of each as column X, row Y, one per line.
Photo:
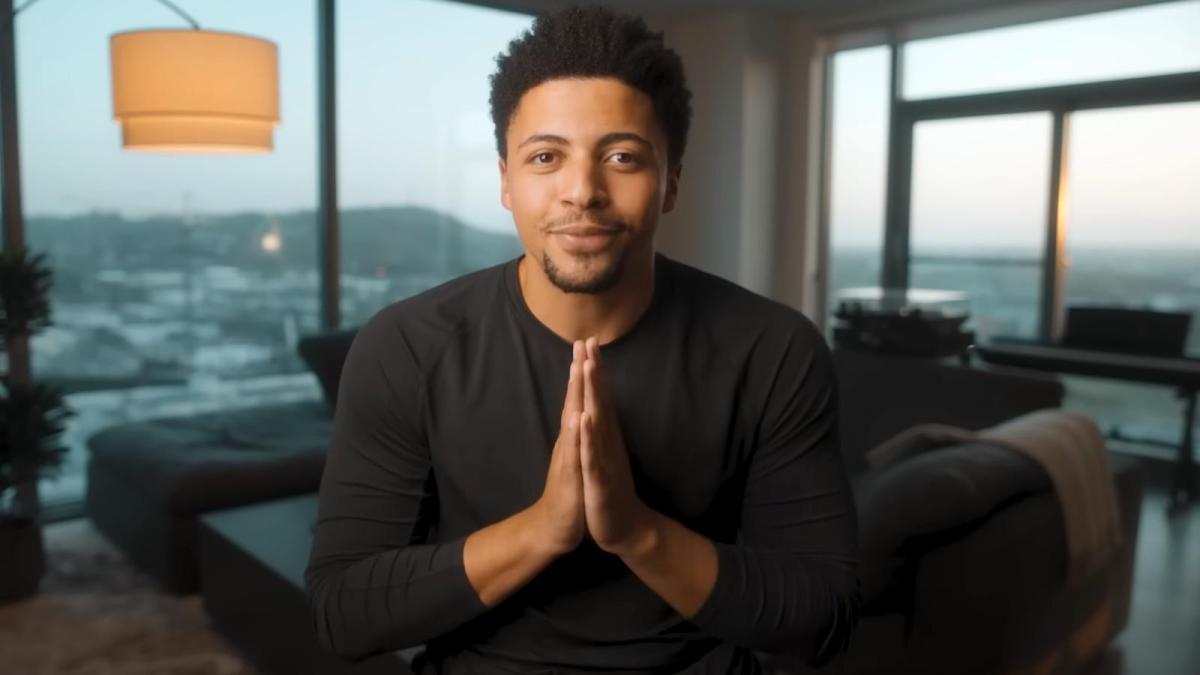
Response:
column 568, row 220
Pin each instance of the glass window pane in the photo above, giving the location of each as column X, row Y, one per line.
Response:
column 860, row 90
column 1152, row 40
column 980, row 185
column 979, row 204
column 418, row 182
column 1003, row 298
column 1133, row 240
column 181, row 282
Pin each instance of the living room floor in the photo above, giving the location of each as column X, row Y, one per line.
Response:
column 1163, row 635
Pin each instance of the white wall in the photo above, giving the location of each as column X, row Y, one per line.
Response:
column 747, row 210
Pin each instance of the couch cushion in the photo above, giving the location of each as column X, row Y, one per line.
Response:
column 324, row 355
column 203, row 462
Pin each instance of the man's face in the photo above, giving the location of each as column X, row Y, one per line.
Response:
column 586, row 178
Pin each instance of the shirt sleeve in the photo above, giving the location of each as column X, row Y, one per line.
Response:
column 373, row 583
column 789, row 583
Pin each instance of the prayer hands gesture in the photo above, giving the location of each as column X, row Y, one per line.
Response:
column 589, row 487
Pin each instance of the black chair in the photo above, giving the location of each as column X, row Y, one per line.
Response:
column 1134, row 331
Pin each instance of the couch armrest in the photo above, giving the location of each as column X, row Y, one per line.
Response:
column 995, row 594
column 938, row 494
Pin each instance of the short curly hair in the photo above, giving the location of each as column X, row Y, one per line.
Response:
column 593, row 41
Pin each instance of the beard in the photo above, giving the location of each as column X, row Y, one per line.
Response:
column 602, row 273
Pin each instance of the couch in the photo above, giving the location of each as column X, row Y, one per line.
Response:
column 963, row 555
column 149, row 481
column 953, row 581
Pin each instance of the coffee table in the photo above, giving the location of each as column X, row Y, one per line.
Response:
column 252, row 561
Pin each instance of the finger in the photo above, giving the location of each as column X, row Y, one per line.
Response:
column 586, row 443
column 590, row 400
column 591, row 456
column 593, row 349
column 573, row 401
column 574, row 382
column 573, row 441
column 579, row 356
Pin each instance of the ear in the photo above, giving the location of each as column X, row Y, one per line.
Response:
column 672, row 192
column 505, row 199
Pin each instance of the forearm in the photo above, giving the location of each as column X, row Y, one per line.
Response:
column 389, row 600
column 676, row 563
column 405, row 597
column 760, row 598
column 503, row 557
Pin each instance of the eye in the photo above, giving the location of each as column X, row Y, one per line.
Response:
column 549, row 157
column 625, row 158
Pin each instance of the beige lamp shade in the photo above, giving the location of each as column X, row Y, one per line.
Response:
column 195, row 91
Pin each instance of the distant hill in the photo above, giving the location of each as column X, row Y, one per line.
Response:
column 394, row 240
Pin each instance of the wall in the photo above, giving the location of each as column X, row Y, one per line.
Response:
column 748, row 209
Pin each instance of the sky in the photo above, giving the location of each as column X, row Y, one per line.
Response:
column 414, row 126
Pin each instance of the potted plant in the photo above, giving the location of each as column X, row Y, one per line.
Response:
column 32, row 416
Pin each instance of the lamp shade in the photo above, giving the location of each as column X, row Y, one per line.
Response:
column 195, row 91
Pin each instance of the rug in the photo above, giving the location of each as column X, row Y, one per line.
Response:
column 96, row 615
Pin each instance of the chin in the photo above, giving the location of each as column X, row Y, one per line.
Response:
column 584, row 273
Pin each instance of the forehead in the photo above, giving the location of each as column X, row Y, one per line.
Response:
column 580, row 108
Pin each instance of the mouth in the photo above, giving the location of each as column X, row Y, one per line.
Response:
column 586, row 239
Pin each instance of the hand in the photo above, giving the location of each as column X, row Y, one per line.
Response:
column 617, row 519
column 559, row 512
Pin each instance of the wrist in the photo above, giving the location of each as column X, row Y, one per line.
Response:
column 646, row 538
column 536, row 533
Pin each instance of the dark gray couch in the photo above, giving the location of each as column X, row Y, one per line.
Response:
column 963, row 551
column 148, row 481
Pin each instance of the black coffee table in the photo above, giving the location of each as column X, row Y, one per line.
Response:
column 252, row 561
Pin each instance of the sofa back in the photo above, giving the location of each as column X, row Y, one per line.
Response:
column 881, row 395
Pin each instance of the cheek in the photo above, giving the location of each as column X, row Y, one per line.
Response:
column 530, row 201
column 531, row 194
column 640, row 196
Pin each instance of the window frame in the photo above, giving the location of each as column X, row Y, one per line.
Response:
column 1061, row 101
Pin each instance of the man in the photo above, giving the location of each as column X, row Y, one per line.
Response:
column 682, row 505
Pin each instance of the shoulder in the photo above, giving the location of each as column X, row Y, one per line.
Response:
column 424, row 324
column 738, row 313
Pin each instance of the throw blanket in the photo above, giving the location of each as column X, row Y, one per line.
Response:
column 1070, row 447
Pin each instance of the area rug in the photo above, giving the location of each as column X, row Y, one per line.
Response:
column 96, row 615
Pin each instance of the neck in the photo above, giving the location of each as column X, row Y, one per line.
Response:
column 578, row 316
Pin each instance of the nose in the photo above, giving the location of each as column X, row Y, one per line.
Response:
column 583, row 186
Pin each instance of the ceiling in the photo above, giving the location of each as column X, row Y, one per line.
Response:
column 840, row 15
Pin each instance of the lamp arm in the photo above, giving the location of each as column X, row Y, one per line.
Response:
column 168, row 3
column 180, row 12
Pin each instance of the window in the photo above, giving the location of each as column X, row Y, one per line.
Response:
column 859, row 167
column 418, row 181
column 1153, row 40
column 1133, row 240
column 181, row 281
column 979, row 203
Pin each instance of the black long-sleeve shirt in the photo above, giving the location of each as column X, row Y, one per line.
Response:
column 448, row 409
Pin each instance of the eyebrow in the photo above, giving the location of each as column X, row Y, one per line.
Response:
column 606, row 139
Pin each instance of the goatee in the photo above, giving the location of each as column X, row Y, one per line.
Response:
column 602, row 280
